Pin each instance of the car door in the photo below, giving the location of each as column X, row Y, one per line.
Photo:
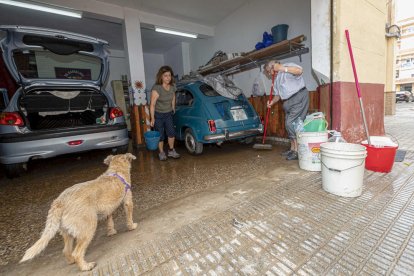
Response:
column 183, row 117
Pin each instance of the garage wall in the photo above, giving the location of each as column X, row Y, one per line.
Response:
column 118, row 66
column 174, row 58
column 240, row 32
column 152, row 63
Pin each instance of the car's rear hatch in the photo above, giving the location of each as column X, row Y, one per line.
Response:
column 46, row 57
column 61, row 75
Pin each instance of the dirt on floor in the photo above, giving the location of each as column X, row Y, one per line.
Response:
column 166, row 195
column 280, row 211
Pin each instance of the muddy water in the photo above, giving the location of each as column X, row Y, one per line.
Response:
column 25, row 201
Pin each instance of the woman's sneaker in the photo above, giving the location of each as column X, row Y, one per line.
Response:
column 292, row 156
column 286, row 153
column 172, row 153
column 162, row 156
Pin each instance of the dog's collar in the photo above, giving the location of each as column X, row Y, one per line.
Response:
column 127, row 185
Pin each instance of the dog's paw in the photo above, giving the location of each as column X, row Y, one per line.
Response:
column 88, row 266
column 133, row 226
column 70, row 259
column 111, row 232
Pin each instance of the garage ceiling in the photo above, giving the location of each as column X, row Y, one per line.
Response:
column 204, row 12
column 196, row 11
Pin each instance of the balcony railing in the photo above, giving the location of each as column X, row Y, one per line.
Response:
column 404, row 80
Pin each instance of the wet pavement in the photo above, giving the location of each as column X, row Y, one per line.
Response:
column 232, row 210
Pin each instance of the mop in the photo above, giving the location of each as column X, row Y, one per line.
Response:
column 357, row 86
column 264, row 146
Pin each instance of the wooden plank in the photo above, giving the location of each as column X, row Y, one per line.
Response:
column 137, row 134
column 278, row 48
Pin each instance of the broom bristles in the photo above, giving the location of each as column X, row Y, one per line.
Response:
column 262, row 146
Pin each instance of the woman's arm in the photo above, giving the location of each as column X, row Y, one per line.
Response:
column 154, row 98
column 173, row 103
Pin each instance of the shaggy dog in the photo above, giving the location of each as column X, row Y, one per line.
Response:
column 77, row 210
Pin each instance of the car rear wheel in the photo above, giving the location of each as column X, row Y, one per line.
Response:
column 191, row 143
column 14, row 170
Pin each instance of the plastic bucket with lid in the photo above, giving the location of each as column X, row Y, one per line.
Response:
column 309, row 149
column 343, row 168
column 381, row 154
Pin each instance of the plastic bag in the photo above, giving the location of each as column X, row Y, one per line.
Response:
column 223, row 85
column 298, row 126
column 258, row 88
column 315, row 122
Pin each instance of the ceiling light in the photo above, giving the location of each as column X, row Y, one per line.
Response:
column 167, row 31
column 45, row 8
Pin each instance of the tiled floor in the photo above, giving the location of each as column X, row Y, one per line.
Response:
column 231, row 211
column 295, row 227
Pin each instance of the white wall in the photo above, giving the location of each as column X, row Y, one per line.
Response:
column 201, row 50
column 152, row 63
column 174, row 58
column 240, row 32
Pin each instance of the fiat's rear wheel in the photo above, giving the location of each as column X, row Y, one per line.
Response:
column 191, row 143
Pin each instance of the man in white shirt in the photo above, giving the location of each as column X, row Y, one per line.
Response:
column 290, row 88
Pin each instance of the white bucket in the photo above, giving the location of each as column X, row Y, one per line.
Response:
column 309, row 149
column 343, row 168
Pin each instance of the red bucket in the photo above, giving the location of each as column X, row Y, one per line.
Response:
column 380, row 154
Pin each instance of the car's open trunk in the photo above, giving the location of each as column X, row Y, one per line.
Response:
column 52, row 109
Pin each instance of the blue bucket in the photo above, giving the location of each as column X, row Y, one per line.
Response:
column 152, row 138
column 279, row 32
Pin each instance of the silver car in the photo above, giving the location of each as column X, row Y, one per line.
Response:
column 60, row 106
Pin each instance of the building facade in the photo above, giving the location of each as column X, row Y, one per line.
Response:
column 404, row 75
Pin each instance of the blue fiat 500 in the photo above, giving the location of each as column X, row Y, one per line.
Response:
column 203, row 116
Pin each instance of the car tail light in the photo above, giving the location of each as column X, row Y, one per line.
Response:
column 11, row 119
column 75, row 142
column 212, row 125
column 115, row 112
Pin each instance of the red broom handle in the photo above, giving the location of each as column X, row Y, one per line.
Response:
column 357, row 86
column 353, row 63
column 268, row 109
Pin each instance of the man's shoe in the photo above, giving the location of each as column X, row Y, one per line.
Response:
column 162, row 156
column 292, row 156
column 286, row 153
column 172, row 153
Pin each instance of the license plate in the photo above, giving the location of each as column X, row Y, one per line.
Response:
column 238, row 114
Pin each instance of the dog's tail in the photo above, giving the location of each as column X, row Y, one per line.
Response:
column 52, row 226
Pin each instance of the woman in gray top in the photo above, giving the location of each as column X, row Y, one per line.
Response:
column 162, row 109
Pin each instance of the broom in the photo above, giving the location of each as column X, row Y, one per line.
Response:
column 264, row 146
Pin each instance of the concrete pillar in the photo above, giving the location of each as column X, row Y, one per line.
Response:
column 186, row 57
column 133, row 50
column 365, row 21
column 135, row 58
column 321, row 40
